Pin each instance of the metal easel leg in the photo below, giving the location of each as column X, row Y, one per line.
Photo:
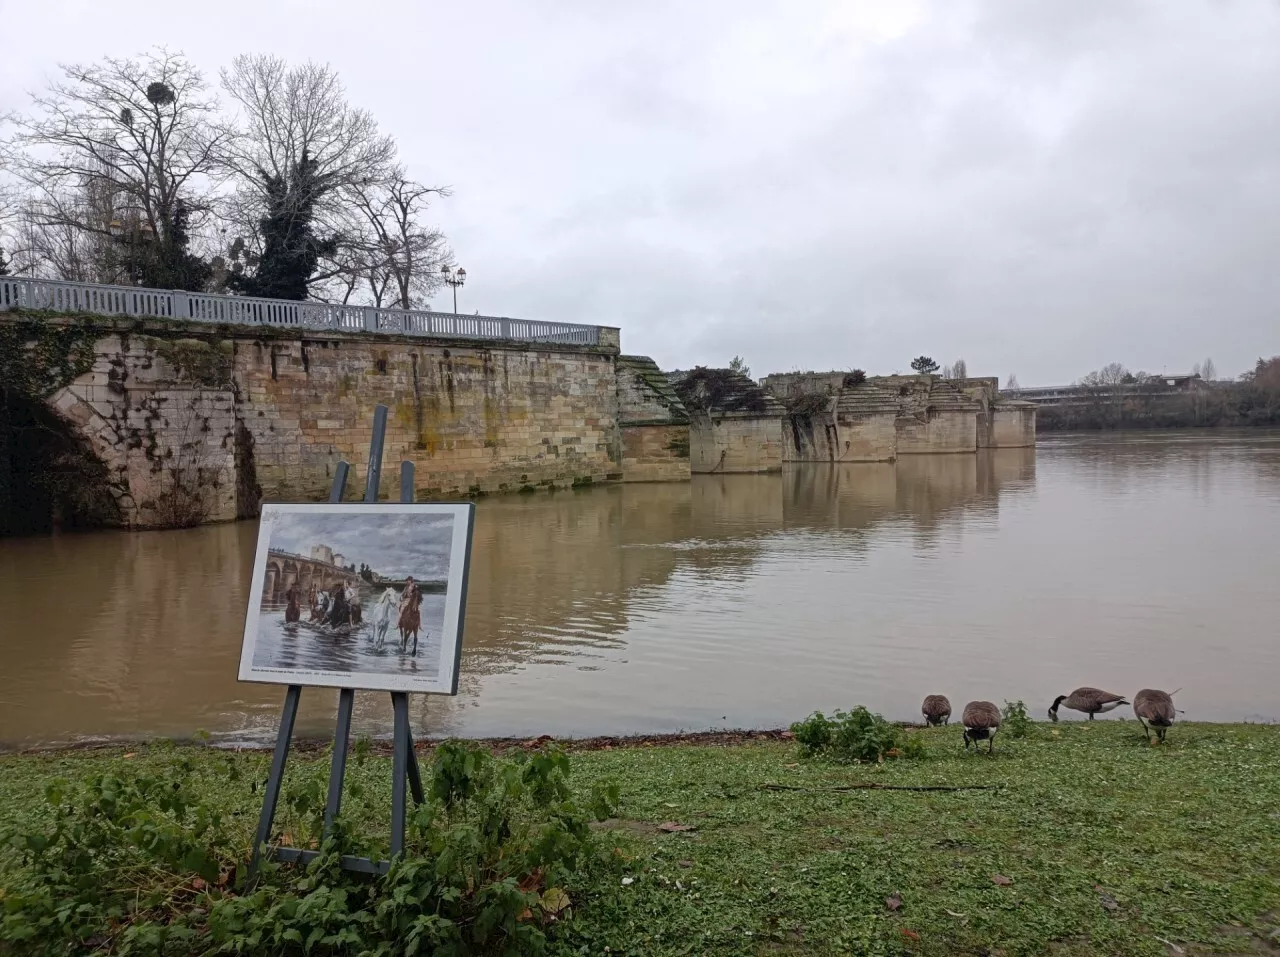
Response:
column 399, row 770
column 338, row 766
column 275, row 778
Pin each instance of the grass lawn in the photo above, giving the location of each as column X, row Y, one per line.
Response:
column 1089, row 843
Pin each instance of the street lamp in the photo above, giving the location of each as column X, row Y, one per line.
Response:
column 455, row 278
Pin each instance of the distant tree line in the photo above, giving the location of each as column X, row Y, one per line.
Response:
column 1115, row 398
column 135, row 171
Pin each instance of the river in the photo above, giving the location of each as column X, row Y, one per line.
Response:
column 1117, row 560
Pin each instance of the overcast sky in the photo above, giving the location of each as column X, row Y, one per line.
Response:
column 393, row 545
column 1038, row 187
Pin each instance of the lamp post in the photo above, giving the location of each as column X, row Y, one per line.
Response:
column 455, row 278
column 130, row 230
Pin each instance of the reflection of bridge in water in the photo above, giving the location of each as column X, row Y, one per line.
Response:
column 286, row 568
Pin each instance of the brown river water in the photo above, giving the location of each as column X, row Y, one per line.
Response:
column 1118, row 560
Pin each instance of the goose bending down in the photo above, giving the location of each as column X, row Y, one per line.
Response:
column 1089, row 700
column 981, row 721
column 936, row 710
column 1155, row 710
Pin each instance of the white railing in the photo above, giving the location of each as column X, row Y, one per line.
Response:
column 82, row 297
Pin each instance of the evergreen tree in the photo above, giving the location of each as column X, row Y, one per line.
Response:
column 924, row 364
column 290, row 248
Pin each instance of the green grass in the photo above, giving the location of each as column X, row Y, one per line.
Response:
column 1112, row 847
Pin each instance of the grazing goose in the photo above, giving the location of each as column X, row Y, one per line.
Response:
column 1155, row 710
column 936, row 710
column 981, row 721
column 1089, row 700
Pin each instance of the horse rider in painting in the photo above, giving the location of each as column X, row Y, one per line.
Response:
column 410, row 614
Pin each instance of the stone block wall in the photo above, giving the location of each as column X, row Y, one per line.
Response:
column 937, row 432
column 472, row 419
column 655, row 453
column 192, row 417
column 1014, row 427
column 867, row 438
column 653, row 423
column 160, row 415
column 736, row 443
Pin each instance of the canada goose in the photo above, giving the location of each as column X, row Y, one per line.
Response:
column 1155, row 710
column 1089, row 700
column 936, row 710
column 981, row 720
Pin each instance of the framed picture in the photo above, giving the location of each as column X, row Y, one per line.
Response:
column 359, row 596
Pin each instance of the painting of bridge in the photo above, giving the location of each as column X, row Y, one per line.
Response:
column 360, row 596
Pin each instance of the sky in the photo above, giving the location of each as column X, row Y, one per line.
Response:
column 393, row 545
column 1038, row 188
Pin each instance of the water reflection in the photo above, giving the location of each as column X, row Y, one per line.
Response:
column 738, row 600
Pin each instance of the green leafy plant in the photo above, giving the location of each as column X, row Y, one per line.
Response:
column 1016, row 723
column 857, row 735
column 139, row 865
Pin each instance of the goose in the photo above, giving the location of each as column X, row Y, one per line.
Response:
column 1089, row 700
column 936, row 710
column 981, row 721
column 1155, row 710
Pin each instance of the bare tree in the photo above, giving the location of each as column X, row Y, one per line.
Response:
column 959, row 370
column 1208, row 371
column 1111, row 374
column 400, row 257
column 1012, row 384
column 124, row 144
column 291, row 114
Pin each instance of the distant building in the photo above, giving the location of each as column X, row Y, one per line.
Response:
column 322, row 553
column 339, row 560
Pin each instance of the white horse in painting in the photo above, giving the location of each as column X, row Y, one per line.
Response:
column 385, row 610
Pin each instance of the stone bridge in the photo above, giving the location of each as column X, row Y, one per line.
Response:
column 175, row 422
column 286, row 568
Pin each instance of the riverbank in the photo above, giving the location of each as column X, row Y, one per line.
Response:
column 1085, row 842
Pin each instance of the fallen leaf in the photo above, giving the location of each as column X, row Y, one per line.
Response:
column 1001, row 880
column 670, row 805
column 671, row 827
column 286, row 839
column 893, row 903
column 685, row 864
column 132, row 754
column 796, row 765
column 198, row 884
column 525, row 914
column 910, row 934
column 1105, row 899
column 954, row 914
column 554, row 900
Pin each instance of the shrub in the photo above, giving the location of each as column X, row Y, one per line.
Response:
column 140, row 865
column 1016, row 722
column 854, row 378
column 856, row 735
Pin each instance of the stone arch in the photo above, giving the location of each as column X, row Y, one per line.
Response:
column 55, row 469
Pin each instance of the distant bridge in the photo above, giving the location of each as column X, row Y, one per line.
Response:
column 286, row 568
column 1156, row 386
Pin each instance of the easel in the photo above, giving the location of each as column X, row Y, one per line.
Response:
column 404, row 763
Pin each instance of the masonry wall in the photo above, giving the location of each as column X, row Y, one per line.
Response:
column 241, row 416
column 1013, row 428
column 868, row 438
column 655, row 453
column 735, row 443
column 937, row 432
column 471, row 419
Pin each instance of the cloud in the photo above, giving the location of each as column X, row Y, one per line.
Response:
column 1039, row 188
column 393, row 545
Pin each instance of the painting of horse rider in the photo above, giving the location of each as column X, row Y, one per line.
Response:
column 332, row 581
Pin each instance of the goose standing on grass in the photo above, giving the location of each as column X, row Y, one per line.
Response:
column 936, row 710
column 1089, row 700
column 1155, row 710
column 981, row 720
